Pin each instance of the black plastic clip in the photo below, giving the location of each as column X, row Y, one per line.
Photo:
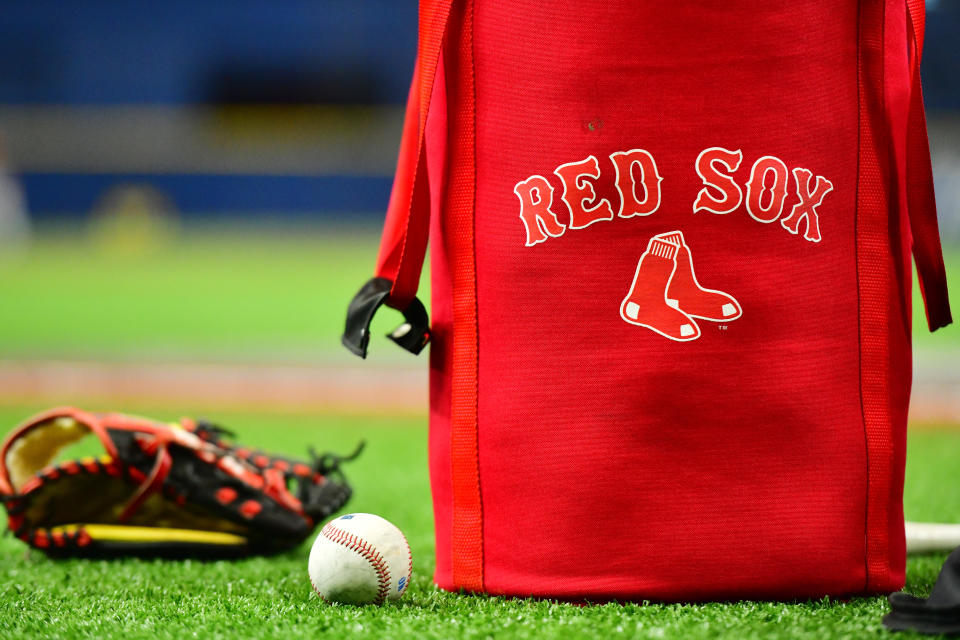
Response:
column 413, row 335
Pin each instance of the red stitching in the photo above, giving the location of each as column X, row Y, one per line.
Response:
column 409, row 567
column 365, row 550
column 317, row 591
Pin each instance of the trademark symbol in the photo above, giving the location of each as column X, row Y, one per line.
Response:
column 722, row 327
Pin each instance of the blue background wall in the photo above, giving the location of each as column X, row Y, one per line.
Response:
column 185, row 54
column 169, row 51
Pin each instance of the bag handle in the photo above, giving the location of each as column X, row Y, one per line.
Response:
column 403, row 245
column 921, row 203
column 406, row 230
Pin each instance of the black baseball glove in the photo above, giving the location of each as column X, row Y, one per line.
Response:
column 159, row 489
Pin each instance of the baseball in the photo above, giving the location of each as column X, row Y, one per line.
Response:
column 360, row 558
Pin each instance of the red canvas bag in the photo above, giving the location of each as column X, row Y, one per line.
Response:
column 670, row 254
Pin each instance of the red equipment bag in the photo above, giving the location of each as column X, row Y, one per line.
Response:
column 670, row 292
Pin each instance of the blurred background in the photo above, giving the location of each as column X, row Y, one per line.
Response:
column 191, row 192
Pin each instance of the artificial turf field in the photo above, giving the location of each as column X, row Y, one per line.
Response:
column 220, row 295
column 272, row 597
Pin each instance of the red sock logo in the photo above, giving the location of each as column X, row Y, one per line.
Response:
column 695, row 300
column 647, row 303
column 665, row 295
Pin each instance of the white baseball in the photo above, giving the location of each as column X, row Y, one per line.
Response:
column 360, row 558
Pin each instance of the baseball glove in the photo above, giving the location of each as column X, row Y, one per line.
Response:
column 159, row 489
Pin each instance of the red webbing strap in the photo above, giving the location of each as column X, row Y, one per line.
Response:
column 398, row 211
column 921, row 204
column 404, row 241
column 917, row 15
column 467, row 532
column 877, row 284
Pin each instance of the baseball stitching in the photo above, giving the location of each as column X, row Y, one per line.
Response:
column 409, row 567
column 364, row 550
column 317, row 591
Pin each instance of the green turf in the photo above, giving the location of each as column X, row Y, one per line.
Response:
column 214, row 292
column 220, row 293
column 272, row 597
